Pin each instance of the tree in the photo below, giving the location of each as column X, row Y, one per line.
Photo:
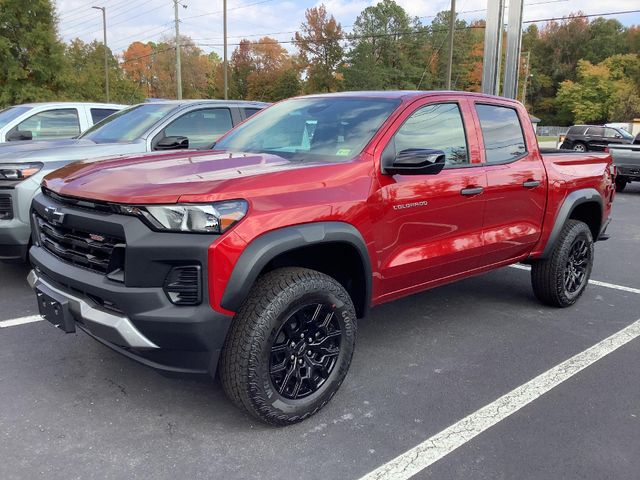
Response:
column 31, row 54
column 262, row 70
column 385, row 49
column 84, row 75
column 137, row 63
column 602, row 92
column 197, row 69
column 319, row 49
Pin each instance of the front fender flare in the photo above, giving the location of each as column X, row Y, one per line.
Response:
column 268, row 246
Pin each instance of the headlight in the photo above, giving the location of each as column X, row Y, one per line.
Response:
column 213, row 218
column 16, row 172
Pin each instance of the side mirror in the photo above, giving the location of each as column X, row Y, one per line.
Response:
column 417, row 161
column 617, row 135
column 172, row 143
column 16, row 135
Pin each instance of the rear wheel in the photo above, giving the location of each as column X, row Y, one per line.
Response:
column 560, row 279
column 579, row 147
column 290, row 346
column 621, row 183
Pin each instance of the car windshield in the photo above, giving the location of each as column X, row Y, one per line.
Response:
column 129, row 124
column 11, row 113
column 625, row 134
column 307, row 129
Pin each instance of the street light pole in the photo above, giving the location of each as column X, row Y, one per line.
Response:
column 106, row 54
column 224, row 61
column 452, row 29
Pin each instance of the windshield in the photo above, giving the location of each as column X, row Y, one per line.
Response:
column 11, row 113
column 625, row 134
column 129, row 124
column 306, row 129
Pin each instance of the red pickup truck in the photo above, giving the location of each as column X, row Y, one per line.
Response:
column 255, row 259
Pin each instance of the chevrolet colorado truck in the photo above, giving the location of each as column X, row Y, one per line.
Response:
column 147, row 127
column 256, row 259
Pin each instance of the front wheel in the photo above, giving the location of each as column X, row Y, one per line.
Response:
column 621, row 184
column 290, row 346
column 560, row 279
column 579, row 147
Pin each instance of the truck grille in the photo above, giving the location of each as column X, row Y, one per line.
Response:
column 94, row 251
column 6, row 208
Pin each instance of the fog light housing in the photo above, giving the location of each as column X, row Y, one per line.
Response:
column 183, row 285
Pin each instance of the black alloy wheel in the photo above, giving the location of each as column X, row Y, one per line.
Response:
column 289, row 346
column 575, row 272
column 305, row 351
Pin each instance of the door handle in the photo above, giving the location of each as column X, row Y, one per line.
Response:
column 470, row 191
column 531, row 184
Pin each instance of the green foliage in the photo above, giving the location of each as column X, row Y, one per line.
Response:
column 31, row 54
column 603, row 92
column 384, row 47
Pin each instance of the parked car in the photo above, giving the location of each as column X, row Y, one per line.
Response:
column 162, row 125
column 587, row 138
column 258, row 258
column 49, row 121
column 626, row 158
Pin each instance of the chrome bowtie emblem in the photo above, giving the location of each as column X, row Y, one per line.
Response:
column 96, row 238
column 54, row 215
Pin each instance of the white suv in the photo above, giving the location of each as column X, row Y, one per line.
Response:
column 50, row 121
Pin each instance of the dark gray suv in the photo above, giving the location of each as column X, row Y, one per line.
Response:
column 583, row 138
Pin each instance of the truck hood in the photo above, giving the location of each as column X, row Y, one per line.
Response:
column 65, row 150
column 166, row 177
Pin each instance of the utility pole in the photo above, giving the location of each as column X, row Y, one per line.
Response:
column 452, row 29
column 224, row 61
column 526, row 78
column 106, row 54
column 178, row 66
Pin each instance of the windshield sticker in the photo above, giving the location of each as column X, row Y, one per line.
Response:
column 343, row 152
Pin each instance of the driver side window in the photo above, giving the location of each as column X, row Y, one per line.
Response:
column 436, row 126
column 201, row 127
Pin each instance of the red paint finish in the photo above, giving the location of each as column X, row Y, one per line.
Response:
column 446, row 237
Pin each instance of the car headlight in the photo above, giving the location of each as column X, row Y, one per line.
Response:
column 16, row 172
column 193, row 218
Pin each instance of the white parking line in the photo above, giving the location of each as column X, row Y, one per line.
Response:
column 592, row 282
column 433, row 449
column 20, row 321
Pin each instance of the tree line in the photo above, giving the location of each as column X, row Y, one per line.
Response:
column 576, row 69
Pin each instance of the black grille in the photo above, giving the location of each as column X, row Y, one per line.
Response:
column 6, row 208
column 94, row 251
column 182, row 285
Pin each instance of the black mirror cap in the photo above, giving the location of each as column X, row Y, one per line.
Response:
column 172, row 143
column 17, row 135
column 417, row 161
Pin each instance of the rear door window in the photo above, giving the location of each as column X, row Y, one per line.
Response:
column 436, row 126
column 502, row 133
column 99, row 114
column 201, row 127
column 51, row 124
column 595, row 132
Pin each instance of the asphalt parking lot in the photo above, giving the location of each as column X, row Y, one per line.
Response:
column 71, row 408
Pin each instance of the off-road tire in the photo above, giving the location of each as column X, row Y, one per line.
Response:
column 245, row 358
column 548, row 275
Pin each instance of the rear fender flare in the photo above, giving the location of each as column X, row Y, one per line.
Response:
column 574, row 199
column 268, row 246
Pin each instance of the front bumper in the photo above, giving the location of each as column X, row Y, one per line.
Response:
column 134, row 316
